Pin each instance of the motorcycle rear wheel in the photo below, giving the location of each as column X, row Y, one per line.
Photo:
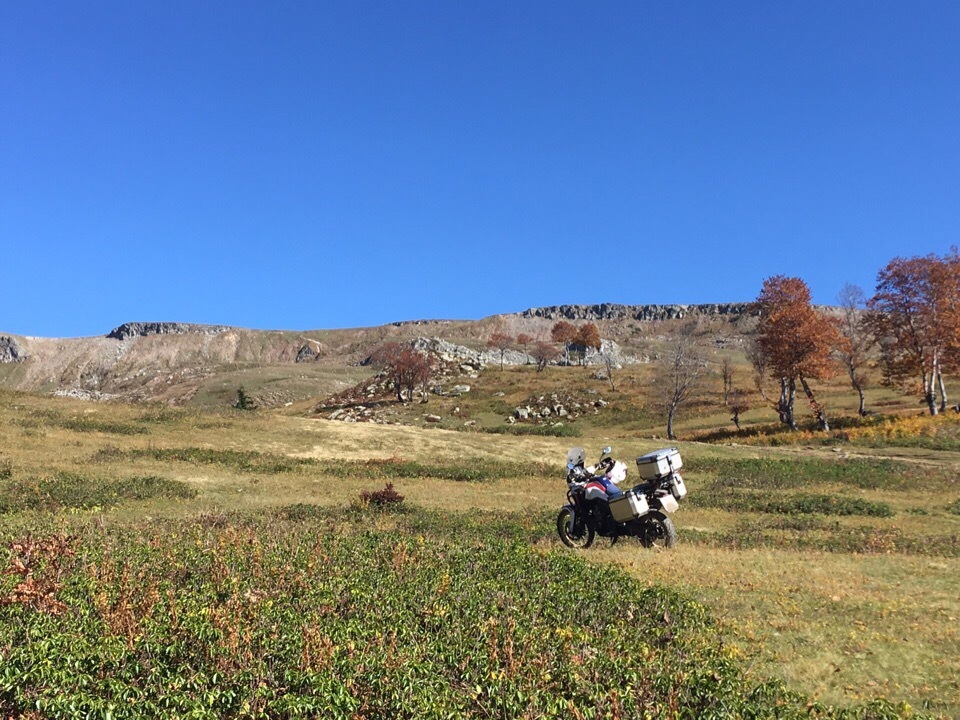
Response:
column 582, row 536
column 658, row 531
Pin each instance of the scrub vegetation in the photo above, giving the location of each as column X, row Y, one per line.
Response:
column 265, row 564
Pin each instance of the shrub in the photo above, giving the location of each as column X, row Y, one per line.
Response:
column 565, row 430
column 383, row 499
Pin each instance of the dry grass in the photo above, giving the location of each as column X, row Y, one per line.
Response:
column 843, row 627
column 836, row 625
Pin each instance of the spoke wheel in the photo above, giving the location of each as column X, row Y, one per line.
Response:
column 658, row 531
column 581, row 536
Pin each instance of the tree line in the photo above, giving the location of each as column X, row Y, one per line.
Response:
column 912, row 322
column 912, row 319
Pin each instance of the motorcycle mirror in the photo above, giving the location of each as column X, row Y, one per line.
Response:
column 607, row 450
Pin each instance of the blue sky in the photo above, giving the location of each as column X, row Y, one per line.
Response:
column 292, row 165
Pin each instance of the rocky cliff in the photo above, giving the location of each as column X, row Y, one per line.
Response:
column 143, row 329
column 613, row 311
column 10, row 350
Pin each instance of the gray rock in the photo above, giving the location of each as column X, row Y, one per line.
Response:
column 460, row 389
column 614, row 311
column 10, row 350
column 432, row 418
column 142, row 329
column 310, row 350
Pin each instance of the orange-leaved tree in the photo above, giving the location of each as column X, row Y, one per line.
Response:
column 523, row 340
column 405, row 367
column 795, row 342
column 915, row 317
column 564, row 333
column 502, row 342
column 588, row 336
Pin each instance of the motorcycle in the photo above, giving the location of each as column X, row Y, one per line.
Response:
column 597, row 507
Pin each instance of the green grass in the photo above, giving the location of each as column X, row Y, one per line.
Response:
column 249, row 461
column 789, row 473
column 796, row 504
column 826, row 536
column 565, row 430
column 66, row 490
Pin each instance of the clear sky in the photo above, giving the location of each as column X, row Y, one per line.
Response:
column 306, row 165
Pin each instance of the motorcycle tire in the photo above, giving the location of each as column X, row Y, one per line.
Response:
column 582, row 536
column 658, row 531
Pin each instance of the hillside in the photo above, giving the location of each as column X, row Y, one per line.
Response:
column 182, row 363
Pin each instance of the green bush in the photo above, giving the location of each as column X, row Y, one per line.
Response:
column 268, row 619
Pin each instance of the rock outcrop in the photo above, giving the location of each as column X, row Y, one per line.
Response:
column 142, row 329
column 10, row 350
column 448, row 352
column 309, row 351
column 614, row 311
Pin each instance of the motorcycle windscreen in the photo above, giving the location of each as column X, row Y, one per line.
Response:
column 576, row 457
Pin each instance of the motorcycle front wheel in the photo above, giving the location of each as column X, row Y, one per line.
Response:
column 582, row 535
column 657, row 531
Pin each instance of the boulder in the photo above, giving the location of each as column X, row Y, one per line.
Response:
column 10, row 350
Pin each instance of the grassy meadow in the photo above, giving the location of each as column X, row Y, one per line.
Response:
column 219, row 563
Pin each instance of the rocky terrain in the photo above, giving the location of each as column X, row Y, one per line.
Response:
column 175, row 362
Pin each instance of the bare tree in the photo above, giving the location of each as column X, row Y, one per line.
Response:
column 738, row 406
column 855, row 338
column 680, row 371
column 759, row 364
column 610, row 364
column 543, row 353
column 726, row 374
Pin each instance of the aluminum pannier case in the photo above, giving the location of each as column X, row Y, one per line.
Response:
column 659, row 463
column 629, row 506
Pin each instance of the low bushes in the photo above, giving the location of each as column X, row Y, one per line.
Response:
column 279, row 619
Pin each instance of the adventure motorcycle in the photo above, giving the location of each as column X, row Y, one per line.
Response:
column 597, row 507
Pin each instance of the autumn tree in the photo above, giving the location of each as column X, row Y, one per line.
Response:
column 406, row 368
column 855, row 339
column 523, row 340
column 502, row 342
column 795, row 343
column 915, row 318
column 564, row 333
column 588, row 336
column 543, row 353
column 679, row 373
